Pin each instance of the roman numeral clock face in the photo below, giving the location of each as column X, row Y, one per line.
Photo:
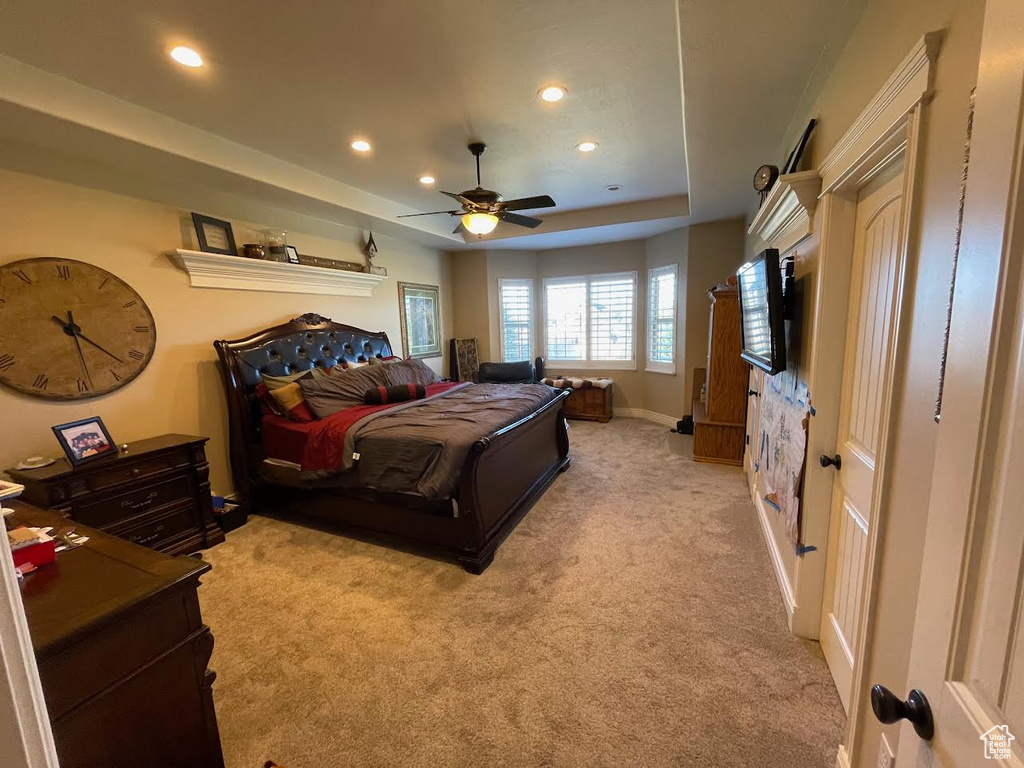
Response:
column 70, row 330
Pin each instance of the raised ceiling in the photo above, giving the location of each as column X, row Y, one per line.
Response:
column 286, row 87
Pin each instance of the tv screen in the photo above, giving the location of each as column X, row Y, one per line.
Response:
column 762, row 310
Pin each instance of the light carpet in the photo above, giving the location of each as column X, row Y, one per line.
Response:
column 632, row 619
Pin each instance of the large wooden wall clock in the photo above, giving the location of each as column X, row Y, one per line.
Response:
column 70, row 330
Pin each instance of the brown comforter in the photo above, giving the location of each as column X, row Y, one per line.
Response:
column 421, row 447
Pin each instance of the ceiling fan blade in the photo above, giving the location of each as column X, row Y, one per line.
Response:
column 528, row 203
column 523, row 221
column 431, row 213
column 460, row 198
column 459, row 229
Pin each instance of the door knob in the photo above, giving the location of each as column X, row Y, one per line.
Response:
column 831, row 461
column 889, row 709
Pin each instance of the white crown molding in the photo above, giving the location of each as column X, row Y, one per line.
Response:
column 787, row 215
column 908, row 86
column 212, row 270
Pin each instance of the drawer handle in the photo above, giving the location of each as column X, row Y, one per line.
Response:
column 142, row 504
column 147, row 539
column 135, row 471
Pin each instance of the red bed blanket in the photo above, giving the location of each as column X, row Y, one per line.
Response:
column 320, row 445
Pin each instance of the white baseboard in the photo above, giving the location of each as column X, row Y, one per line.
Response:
column 842, row 757
column 641, row 413
column 788, row 600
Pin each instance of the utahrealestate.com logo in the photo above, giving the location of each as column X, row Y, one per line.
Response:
column 997, row 743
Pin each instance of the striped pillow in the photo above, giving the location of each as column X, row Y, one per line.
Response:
column 394, row 394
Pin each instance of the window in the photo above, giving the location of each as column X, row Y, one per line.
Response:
column 590, row 321
column 661, row 319
column 515, row 313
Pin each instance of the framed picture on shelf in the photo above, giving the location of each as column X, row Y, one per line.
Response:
column 292, row 254
column 215, row 236
column 85, row 440
column 420, row 309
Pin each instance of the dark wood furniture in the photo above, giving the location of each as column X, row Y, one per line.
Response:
column 504, row 473
column 719, row 422
column 156, row 493
column 590, row 404
column 122, row 653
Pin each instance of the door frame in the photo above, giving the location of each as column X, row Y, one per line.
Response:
column 24, row 724
column 888, row 131
column 986, row 311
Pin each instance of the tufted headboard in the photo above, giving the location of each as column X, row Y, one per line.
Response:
column 307, row 342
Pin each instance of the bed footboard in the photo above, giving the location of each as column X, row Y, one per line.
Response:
column 506, row 472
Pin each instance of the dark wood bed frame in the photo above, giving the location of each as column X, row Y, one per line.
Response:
column 504, row 474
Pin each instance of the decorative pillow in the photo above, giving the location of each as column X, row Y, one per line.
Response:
column 383, row 360
column 342, row 389
column 269, row 383
column 409, row 372
column 349, row 365
column 290, row 399
column 396, row 394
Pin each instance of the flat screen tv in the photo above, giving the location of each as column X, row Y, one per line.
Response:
column 762, row 309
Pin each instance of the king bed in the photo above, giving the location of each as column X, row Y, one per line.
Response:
column 453, row 471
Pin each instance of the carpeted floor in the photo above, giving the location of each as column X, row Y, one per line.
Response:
column 632, row 619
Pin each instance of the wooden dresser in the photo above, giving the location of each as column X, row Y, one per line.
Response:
column 122, row 653
column 157, row 493
column 719, row 423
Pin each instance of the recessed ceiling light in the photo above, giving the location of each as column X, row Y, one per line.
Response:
column 186, row 56
column 586, row 146
column 613, row 187
column 361, row 145
column 427, row 179
column 552, row 93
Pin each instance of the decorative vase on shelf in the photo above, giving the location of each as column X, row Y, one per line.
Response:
column 275, row 241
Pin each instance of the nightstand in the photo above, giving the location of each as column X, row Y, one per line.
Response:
column 157, row 493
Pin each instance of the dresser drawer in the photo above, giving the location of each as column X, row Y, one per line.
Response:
column 136, row 470
column 160, row 527
column 114, row 509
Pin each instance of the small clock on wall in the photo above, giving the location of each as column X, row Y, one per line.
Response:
column 70, row 330
column 765, row 176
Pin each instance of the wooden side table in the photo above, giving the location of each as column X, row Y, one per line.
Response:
column 157, row 493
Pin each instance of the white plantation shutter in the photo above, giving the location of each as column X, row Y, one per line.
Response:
column 591, row 321
column 612, row 300
column 515, row 300
column 565, row 312
column 661, row 319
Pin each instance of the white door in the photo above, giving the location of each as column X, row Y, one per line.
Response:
column 968, row 648
column 868, row 339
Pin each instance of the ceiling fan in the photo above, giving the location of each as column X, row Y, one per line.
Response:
column 482, row 209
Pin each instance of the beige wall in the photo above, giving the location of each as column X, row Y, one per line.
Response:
column 716, row 250
column 470, row 315
column 180, row 390
column 885, row 33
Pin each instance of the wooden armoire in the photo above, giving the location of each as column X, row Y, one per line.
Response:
column 719, row 422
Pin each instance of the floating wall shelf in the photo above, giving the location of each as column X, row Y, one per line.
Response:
column 212, row 270
column 787, row 215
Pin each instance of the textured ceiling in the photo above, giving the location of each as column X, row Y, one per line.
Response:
column 287, row 86
column 418, row 79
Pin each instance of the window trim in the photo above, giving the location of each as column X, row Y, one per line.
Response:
column 656, row 366
column 529, row 282
column 587, row 364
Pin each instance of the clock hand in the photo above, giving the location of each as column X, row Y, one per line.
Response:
column 72, row 330
column 81, row 357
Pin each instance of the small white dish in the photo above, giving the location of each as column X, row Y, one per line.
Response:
column 35, row 462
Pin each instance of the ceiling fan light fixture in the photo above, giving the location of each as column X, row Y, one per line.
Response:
column 552, row 93
column 480, row 223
